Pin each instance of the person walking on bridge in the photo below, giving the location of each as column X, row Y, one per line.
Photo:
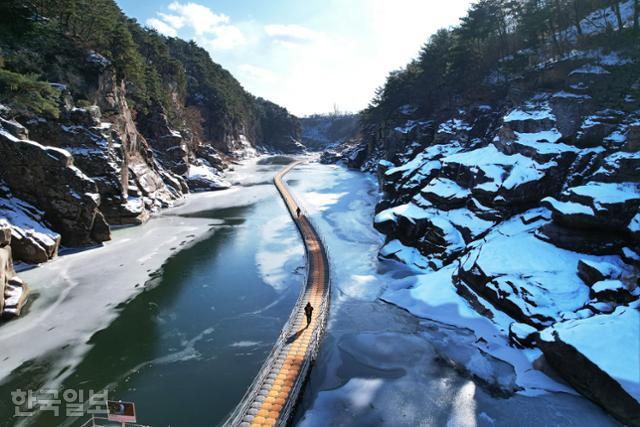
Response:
column 308, row 310
column 298, row 212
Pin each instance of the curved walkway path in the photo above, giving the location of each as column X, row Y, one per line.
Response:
column 270, row 399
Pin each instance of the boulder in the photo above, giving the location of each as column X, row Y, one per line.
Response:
column 356, row 157
column 593, row 271
column 596, row 127
column 5, row 233
column 588, row 241
column 596, row 205
column 619, row 167
column 46, row 177
column 568, row 109
column 612, row 290
column 614, row 203
column 214, row 157
column 530, row 118
column 13, row 291
column 29, row 247
column 441, row 239
column 594, row 355
column 571, row 214
column 445, row 194
column 522, row 335
column 15, row 296
column 14, row 128
column 86, row 117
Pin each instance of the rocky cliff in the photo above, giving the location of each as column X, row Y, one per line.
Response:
column 103, row 122
column 527, row 188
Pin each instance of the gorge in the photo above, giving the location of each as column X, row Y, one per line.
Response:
column 482, row 218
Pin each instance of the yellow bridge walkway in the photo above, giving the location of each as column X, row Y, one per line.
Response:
column 272, row 396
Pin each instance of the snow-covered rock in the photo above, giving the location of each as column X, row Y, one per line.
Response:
column 31, row 241
column 599, row 356
column 612, row 290
column 203, row 177
column 528, row 279
column 522, row 335
column 45, row 177
column 446, row 194
column 13, row 291
column 591, row 271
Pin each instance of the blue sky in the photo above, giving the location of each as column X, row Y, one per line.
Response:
column 305, row 55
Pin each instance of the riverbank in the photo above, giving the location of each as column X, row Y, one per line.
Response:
column 380, row 365
column 142, row 289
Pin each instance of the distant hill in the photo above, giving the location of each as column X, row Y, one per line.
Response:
column 322, row 130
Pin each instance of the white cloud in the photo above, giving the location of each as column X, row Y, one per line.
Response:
column 226, row 37
column 335, row 56
column 212, row 30
column 199, row 17
column 161, row 27
column 175, row 21
column 290, row 33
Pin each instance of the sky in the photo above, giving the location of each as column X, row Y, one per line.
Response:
column 309, row 56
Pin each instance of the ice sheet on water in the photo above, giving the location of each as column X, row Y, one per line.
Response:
column 279, row 253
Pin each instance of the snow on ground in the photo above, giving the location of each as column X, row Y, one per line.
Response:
column 565, row 94
column 608, row 285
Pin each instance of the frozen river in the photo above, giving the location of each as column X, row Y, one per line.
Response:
column 178, row 315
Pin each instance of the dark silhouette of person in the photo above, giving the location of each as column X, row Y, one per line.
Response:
column 298, row 212
column 308, row 310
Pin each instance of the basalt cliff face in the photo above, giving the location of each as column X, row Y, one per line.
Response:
column 525, row 191
column 104, row 125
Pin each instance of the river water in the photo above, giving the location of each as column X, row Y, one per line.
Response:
column 186, row 348
column 180, row 325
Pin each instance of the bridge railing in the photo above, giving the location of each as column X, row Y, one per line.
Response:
column 235, row 418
